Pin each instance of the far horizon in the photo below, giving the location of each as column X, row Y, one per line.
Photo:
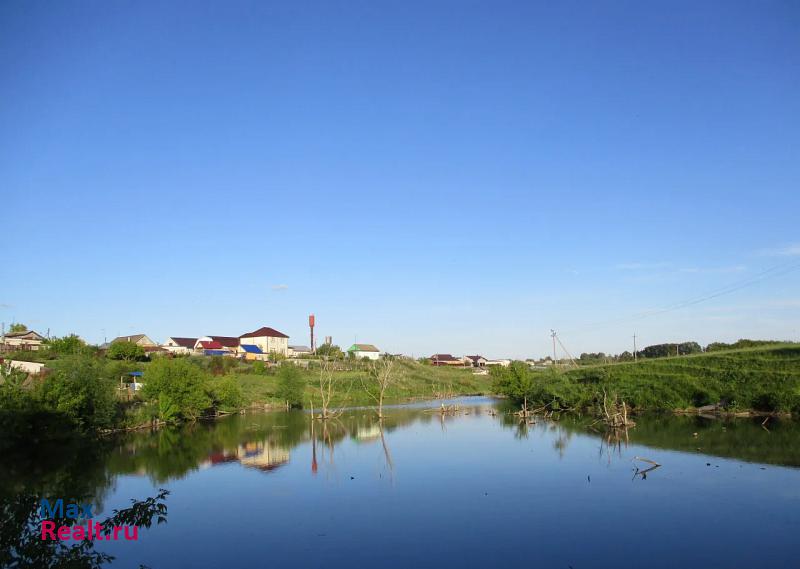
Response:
column 423, row 177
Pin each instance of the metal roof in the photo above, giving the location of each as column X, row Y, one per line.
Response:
column 251, row 349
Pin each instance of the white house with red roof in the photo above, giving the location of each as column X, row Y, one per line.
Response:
column 268, row 339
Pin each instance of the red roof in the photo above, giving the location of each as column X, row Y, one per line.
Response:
column 264, row 331
column 211, row 345
column 443, row 358
column 185, row 342
column 227, row 341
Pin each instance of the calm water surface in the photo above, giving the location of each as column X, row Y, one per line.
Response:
column 471, row 490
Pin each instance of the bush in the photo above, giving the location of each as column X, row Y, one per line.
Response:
column 291, row 386
column 226, row 394
column 79, row 389
column 178, row 386
column 129, row 351
column 70, row 345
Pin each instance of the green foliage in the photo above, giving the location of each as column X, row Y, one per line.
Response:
column 740, row 344
column 178, row 383
column 258, row 367
column 17, row 327
column 129, row 351
column 764, row 379
column 216, row 365
column 667, row 350
column 226, row 394
column 330, row 351
column 70, row 345
column 291, row 385
column 79, row 389
column 515, row 381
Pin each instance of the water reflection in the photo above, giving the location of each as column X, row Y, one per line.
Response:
column 469, row 470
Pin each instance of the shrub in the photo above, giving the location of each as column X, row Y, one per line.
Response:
column 226, row 394
column 79, row 389
column 177, row 385
column 129, row 351
column 291, row 386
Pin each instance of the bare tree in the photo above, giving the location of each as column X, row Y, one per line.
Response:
column 326, row 387
column 381, row 377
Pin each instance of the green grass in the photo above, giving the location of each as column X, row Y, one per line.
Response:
column 763, row 379
column 412, row 381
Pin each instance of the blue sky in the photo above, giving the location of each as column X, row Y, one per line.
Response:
column 426, row 176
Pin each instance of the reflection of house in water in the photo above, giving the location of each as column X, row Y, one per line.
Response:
column 368, row 434
column 255, row 454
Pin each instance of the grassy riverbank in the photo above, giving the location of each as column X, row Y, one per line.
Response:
column 764, row 379
column 412, row 380
column 86, row 393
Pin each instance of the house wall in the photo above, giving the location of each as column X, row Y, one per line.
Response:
column 370, row 355
column 22, row 344
column 268, row 344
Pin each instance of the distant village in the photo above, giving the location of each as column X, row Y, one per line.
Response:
column 264, row 344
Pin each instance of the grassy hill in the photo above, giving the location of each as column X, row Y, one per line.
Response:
column 764, row 379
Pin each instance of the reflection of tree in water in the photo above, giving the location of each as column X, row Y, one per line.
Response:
column 74, row 470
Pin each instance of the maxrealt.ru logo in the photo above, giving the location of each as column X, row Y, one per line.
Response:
column 83, row 527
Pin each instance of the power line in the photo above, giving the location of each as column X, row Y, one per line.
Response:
column 772, row 272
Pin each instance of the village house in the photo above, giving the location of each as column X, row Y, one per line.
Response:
column 476, row 361
column 27, row 340
column 138, row 339
column 502, row 363
column 359, row 351
column 298, row 351
column 178, row 345
column 445, row 360
column 216, row 345
column 268, row 339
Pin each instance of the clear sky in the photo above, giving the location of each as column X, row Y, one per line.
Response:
column 445, row 176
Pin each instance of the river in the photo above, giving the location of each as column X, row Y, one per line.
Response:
column 476, row 488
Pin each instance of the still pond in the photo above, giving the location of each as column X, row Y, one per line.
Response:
column 476, row 488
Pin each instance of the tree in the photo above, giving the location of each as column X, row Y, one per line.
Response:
column 178, row 383
column 67, row 346
column 17, row 327
column 227, row 394
column 327, row 386
column 291, row 386
column 515, row 381
column 381, row 377
column 80, row 390
column 129, row 351
column 330, row 351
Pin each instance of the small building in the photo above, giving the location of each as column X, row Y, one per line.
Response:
column 251, row 352
column 31, row 368
column 476, row 361
column 445, row 360
column 359, row 351
column 27, row 340
column 211, row 348
column 503, row 363
column 268, row 339
column 178, row 345
column 138, row 339
column 298, row 351
column 226, row 343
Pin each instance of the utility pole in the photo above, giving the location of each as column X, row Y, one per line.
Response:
column 634, row 346
column 553, row 335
